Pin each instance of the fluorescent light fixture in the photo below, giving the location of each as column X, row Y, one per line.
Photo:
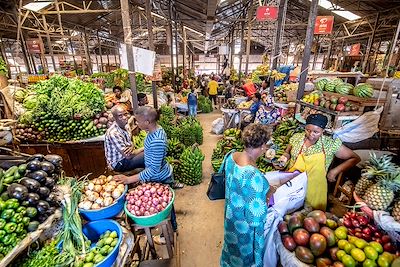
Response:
column 341, row 12
column 37, row 6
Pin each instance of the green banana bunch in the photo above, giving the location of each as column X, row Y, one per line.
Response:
column 138, row 140
column 175, row 148
column 191, row 166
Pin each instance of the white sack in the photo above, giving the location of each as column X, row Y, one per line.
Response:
column 218, row 126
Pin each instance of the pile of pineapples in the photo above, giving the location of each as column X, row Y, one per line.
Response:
column 379, row 183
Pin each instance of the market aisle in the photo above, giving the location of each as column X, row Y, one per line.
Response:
column 201, row 220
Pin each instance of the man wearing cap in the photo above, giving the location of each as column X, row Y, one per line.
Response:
column 312, row 152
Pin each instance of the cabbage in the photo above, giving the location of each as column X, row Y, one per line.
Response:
column 20, row 95
column 31, row 102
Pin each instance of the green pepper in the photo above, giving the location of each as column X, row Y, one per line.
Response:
column 8, row 180
column 2, row 234
column 7, row 214
column 17, row 218
column 20, row 228
column 10, row 227
column 25, row 221
column 7, row 240
column 12, row 203
column 21, row 210
column 31, row 212
column 2, row 223
column 2, row 204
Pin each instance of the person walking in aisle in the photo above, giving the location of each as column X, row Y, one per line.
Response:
column 213, row 90
column 192, row 103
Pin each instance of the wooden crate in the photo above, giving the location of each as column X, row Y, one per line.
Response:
column 361, row 102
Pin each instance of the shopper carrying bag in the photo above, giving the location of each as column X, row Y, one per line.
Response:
column 216, row 188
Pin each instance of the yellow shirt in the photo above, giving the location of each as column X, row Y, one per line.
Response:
column 213, row 87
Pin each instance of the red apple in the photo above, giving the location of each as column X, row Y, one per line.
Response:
column 358, row 234
column 340, row 107
column 366, row 237
column 377, row 234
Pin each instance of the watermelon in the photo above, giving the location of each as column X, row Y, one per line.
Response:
column 330, row 87
column 344, row 88
column 364, row 90
column 320, row 84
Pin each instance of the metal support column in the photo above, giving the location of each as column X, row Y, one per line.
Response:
column 307, row 49
column 369, row 45
column 126, row 22
column 184, row 48
column 151, row 47
column 176, row 42
column 241, row 52
column 171, row 45
column 87, row 52
column 42, row 57
column 49, row 44
column 72, row 50
column 250, row 18
column 278, row 40
column 232, row 48
column 329, row 54
column 100, row 51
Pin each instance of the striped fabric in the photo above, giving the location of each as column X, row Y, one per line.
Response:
column 116, row 140
column 155, row 150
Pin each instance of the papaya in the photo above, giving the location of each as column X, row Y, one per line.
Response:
column 294, row 223
column 329, row 236
column 311, row 225
column 317, row 244
column 304, row 254
column 323, row 262
column 318, row 215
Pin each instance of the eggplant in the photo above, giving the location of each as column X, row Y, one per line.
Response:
column 48, row 167
column 51, row 211
column 38, row 157
column 39, row 176
column 17, row 191
column 33, row 165
column 42, row 206
column 52, row 199
column 49, row 182
column 56, row 160
column 31, row 184
column 44, row 192
column 33, row 199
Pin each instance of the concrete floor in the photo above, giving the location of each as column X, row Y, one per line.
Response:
column 200, row 221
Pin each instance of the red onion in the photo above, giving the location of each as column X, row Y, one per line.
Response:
column 140, row 193
column 164, row 204
column 156, row 186
column 159, row 207
column 139, row 188
column 160, row 191
column 135, row 197
column 148, row 186
column 129, row 206
column 138, row 213
column 147, row 193
column 170, row 194
column 138, row 203
column 131, row 201
column 155, row 201
column 142, row 209
column 152, row 210
column 136, row 208
column 153, row 190
column 145, row 199
column 165, row 198
column 146, row 213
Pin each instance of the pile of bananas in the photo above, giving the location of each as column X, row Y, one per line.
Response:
column 231, row 140
column 264, row 165
column 138, row 140
column 190, row 170
column 396, row 75
column 283, row 132
column 189, row 131
column 277, row 76
column 245, row 105
column 175, row 148
column 167, row 116
column 234, row 75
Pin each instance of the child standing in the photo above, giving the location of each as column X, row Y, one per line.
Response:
column 192, row 103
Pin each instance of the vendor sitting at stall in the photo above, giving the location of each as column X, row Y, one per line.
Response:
column 120, row 154
column 312, row 152
column 122, row 98
column 249, row 88
column 142, row 99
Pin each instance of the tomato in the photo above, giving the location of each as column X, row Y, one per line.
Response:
column 348, row 261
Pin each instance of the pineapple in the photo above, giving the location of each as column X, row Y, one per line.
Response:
column 381, row 194
column 396, row 210
column 375, row 170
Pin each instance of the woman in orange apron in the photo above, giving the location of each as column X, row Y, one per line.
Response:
column 312, row 152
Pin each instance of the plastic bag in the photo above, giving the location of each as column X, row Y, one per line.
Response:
column 360, row 129
column 218, row 126
column 387, row 223
column 287, row 198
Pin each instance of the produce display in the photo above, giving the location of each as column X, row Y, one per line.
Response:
column 230, row 104
column 316, row 238
column 26, row 198
column 166, row 121
column 100, row 192
column 340, row 104
column 138, row 140
column 378, row 184
column 337, row 85
column 61, row 109
column 204, row 104
column 280, row 92
column 231, row 140
column 189, row 131
column 148, row 199
column 175, row 148
column 190, row 170
column 245, row 104
column 120, row 77
column 103, row 247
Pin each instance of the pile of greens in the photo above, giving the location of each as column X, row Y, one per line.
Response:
column 3, row 67
column 120, row 77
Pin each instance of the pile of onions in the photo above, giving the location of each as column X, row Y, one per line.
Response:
column 148, row 199
column 100, row 192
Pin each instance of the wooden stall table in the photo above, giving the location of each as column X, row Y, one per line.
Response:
column 79, row 157
column 231, row 118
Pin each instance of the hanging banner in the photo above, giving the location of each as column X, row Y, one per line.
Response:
column 144, row 60
column 34, row 46
column 355, row 50
column 267, row 13
column 324, row 25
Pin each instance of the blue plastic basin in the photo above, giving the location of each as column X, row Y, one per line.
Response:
column 106, row 212
column 93, row 231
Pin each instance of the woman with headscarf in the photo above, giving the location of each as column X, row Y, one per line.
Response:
column 312, row 152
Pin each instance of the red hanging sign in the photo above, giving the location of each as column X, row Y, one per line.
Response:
column 355, row 49
column 34, row 46
column 267, row 13
column 324, row 25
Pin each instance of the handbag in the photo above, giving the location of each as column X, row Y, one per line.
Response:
column 216, row 188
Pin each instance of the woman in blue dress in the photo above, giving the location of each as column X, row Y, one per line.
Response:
column 246, row 197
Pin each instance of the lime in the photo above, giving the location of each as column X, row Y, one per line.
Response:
column 89, row 257
column 114, row 243
column 360, row 243
column 340, row 254
column 348, row 261
column 98, row 258
column 348, row 248
column 370, row 253
column 340, row 233
column 383, row 262
column 389, row 257
column 357, row 254
column 108, row 240
column 369, row 263
column 378, row 247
